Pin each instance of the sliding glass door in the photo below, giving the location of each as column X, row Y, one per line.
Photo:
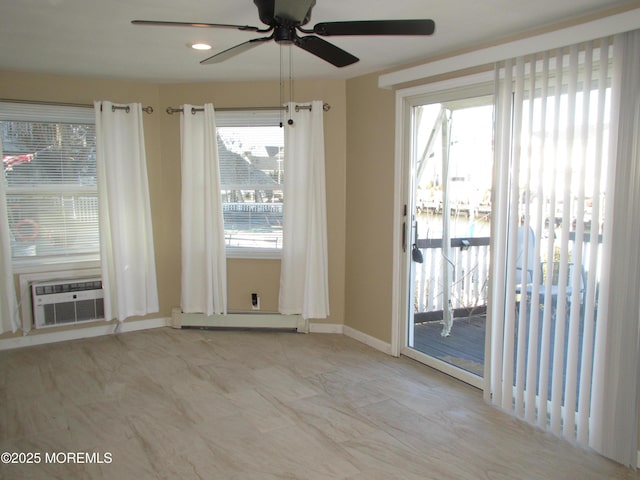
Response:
column 449, row 197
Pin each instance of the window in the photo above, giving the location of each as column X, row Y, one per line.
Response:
column 49, row 164
column 251, row 154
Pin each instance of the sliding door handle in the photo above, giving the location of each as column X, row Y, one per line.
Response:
column 404, row 237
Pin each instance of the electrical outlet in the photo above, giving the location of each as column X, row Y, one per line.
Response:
column 255, row 301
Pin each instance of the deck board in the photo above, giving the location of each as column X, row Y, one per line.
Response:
column 464, row 347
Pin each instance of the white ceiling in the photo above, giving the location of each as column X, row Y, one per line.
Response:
column 96, row 38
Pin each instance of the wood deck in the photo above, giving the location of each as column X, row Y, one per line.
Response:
column 464, row 347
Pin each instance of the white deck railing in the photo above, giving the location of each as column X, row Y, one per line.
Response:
column 468, row 275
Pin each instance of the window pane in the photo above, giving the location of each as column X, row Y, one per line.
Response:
column 53, row 224
column 48, row 153
column 50, row 174
column 251, row 177
column 252, row 223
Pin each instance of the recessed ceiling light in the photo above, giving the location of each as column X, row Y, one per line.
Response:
column 200, row 46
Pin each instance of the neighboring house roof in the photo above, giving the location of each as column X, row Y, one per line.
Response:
column 237, row 170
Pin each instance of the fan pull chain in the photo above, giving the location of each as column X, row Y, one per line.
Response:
column 282, row 84
column 290, row 121
column 281, row 87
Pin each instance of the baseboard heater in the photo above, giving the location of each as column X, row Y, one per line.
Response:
column 240, row 321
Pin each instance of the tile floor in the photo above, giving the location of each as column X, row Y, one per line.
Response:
column 196, row 404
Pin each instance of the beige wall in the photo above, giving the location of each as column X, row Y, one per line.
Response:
column 162, row 139
column 370, row 183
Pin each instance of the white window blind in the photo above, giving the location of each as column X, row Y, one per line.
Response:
column 251, row 154
column 49, row 164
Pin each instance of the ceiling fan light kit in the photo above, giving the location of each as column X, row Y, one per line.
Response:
column 285, row 18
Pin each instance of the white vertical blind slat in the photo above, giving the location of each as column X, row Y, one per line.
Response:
column 580, row 158
column 559, row 357
column 525, row 330
column 543, row 369
column 513, row 275
column 499, row 227
column 532, row 347
column 593, row 256
column 558, row 330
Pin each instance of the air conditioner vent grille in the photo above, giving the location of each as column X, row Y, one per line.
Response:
column 66, row 302
column 50, row 289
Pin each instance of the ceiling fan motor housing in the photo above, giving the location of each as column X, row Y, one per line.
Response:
column 284, row 34
column 268, row 11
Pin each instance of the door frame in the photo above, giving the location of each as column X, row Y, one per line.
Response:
column 406, row 99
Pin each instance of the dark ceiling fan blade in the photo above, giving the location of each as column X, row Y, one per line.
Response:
column 233, row 51
column 325, row 50
column 296, row 11
column 375, row 27
column 161, row 23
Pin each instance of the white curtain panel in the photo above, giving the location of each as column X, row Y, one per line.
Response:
column 564, row 347
column 304, row 285
column 9, row 320
column 614, row 419
column 126, row 234
column 204, row 263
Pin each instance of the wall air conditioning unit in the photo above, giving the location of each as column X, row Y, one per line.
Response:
column 64, row 302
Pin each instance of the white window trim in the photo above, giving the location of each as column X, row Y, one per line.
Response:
column 35, row 265
column 27, row 112
column 254, row 253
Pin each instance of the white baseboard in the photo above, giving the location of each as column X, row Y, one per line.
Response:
column 239, row 320
column 361, row 337
column 179, row 319
column 40, row 338
column 367, row 339
column 326, row 328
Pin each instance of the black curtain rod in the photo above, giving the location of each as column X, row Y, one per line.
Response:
column 170, row 110
column 81, row 105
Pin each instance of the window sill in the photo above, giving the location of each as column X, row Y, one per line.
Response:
column 249, row 253
column 37, row 265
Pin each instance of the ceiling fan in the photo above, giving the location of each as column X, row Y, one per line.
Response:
column 285, row 18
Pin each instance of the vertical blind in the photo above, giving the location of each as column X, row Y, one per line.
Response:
column 552, row 118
